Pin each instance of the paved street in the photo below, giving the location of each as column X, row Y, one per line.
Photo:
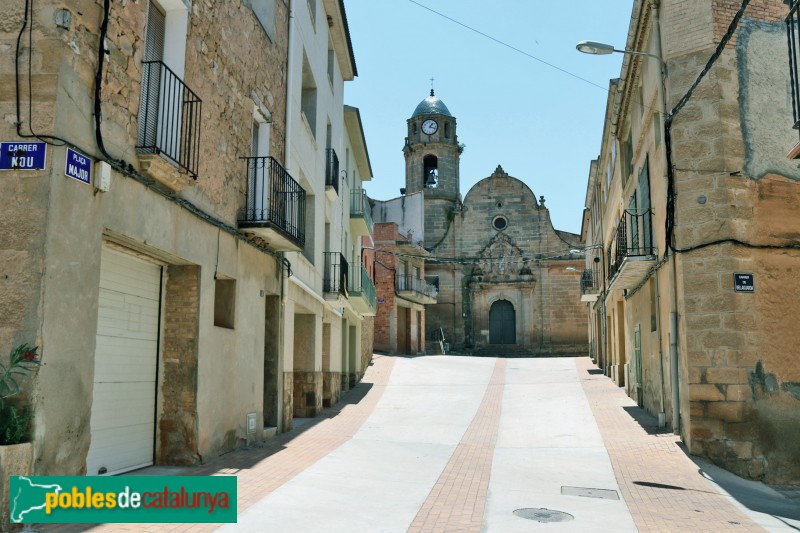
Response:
column 460, row 444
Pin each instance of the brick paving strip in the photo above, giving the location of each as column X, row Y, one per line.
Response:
column 458, row 498
column 677, row 497
column 262, row 470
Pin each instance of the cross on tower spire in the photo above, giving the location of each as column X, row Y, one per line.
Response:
column 432, row 86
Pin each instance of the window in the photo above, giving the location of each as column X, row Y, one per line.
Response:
column 447, row 130
column 169, row 112
column 331, row 59
column 653, row 320
column 433, row 281
column 657, row 128
column 261, row 127
column 628, row 170
column 312, row 11
column 613, row 150
column 308, row 98
column 430, row 177
column 264, row 11
column 500, row 223
column 224, row 303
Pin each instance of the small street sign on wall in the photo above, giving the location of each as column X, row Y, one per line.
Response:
column 743, row 282
column 23, row 155
column 78, row 166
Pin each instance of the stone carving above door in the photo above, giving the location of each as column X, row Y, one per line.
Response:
column 502, row 260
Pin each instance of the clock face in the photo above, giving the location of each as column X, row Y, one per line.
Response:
column 429, row 127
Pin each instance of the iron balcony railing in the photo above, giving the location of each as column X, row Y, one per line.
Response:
column 590, row 281
column 336, row 273
column 274, row 197
column 332, row 169
column 360, row 284
column 793, row 37
column 359, row 206
column 169, row 117
column 633, row 237
column 409, row 283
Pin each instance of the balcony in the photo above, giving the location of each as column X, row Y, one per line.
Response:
column 169, row 127
column 276, row 205
column 360, row 212
column 361, row 290
column 590, row 284
column 334, row 281
column 331, row 174
column 631, row 253
column 415, row 289
column 793, row 37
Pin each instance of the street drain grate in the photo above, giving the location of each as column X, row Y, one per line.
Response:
column 586, row 492
column 543, row 515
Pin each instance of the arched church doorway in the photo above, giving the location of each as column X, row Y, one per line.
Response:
column 502, row 323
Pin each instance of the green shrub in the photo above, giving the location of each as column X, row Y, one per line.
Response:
column 14, row 424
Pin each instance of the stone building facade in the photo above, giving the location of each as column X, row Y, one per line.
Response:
column 179, row 296
column 500, row 267
column 698, row 324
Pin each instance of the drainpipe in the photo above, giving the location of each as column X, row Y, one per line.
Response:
column 673, row 315
column 287, row 143
column 289, row 89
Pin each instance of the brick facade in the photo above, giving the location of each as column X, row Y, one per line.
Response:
column 177, row 428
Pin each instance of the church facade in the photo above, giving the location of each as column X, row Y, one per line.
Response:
column 508, row 282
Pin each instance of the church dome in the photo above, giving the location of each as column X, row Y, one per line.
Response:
column 432, row 105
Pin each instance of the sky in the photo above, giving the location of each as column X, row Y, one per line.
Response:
column 543, row 126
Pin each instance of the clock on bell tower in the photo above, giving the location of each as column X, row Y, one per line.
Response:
column 431, row 150
column 432, row 163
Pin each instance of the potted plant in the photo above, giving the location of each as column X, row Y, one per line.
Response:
column 16, row 414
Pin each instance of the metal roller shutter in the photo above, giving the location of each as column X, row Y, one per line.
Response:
column 126, row 358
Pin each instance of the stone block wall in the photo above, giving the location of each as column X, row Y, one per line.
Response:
column 287, row 402
column 331, row 388
column 737, row 402
column 307, row 394
column 367, row 342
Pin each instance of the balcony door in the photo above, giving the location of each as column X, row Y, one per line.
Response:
column 641, row 223
column 151, row 77
column 260, row 175
column 502, row 323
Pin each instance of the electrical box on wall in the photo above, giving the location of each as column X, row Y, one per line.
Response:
column 251, row 423
column 102, row 173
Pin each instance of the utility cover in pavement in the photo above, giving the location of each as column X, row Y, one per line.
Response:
column 605, row 494
column 543, row 515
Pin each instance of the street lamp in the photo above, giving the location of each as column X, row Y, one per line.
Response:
column 602, row 49
column 595, row 48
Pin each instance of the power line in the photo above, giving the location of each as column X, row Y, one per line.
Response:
column 503, row 43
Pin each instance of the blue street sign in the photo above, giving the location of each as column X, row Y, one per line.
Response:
column 743, row 283
column 23, row 155
column 78, row 166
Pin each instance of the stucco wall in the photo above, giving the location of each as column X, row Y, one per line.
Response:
column 58, row 224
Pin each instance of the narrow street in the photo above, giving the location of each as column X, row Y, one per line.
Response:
column 460, row 444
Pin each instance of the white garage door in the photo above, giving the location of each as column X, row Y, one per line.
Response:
column 123, row 408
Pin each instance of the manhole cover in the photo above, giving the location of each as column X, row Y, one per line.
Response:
column 587, row 492
column 543, row 515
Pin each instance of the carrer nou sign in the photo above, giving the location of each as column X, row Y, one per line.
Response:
column 127, row 499
column 23, row 155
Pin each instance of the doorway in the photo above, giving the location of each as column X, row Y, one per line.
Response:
column 502, row 323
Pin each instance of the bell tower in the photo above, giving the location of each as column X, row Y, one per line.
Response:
column 432, row 163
